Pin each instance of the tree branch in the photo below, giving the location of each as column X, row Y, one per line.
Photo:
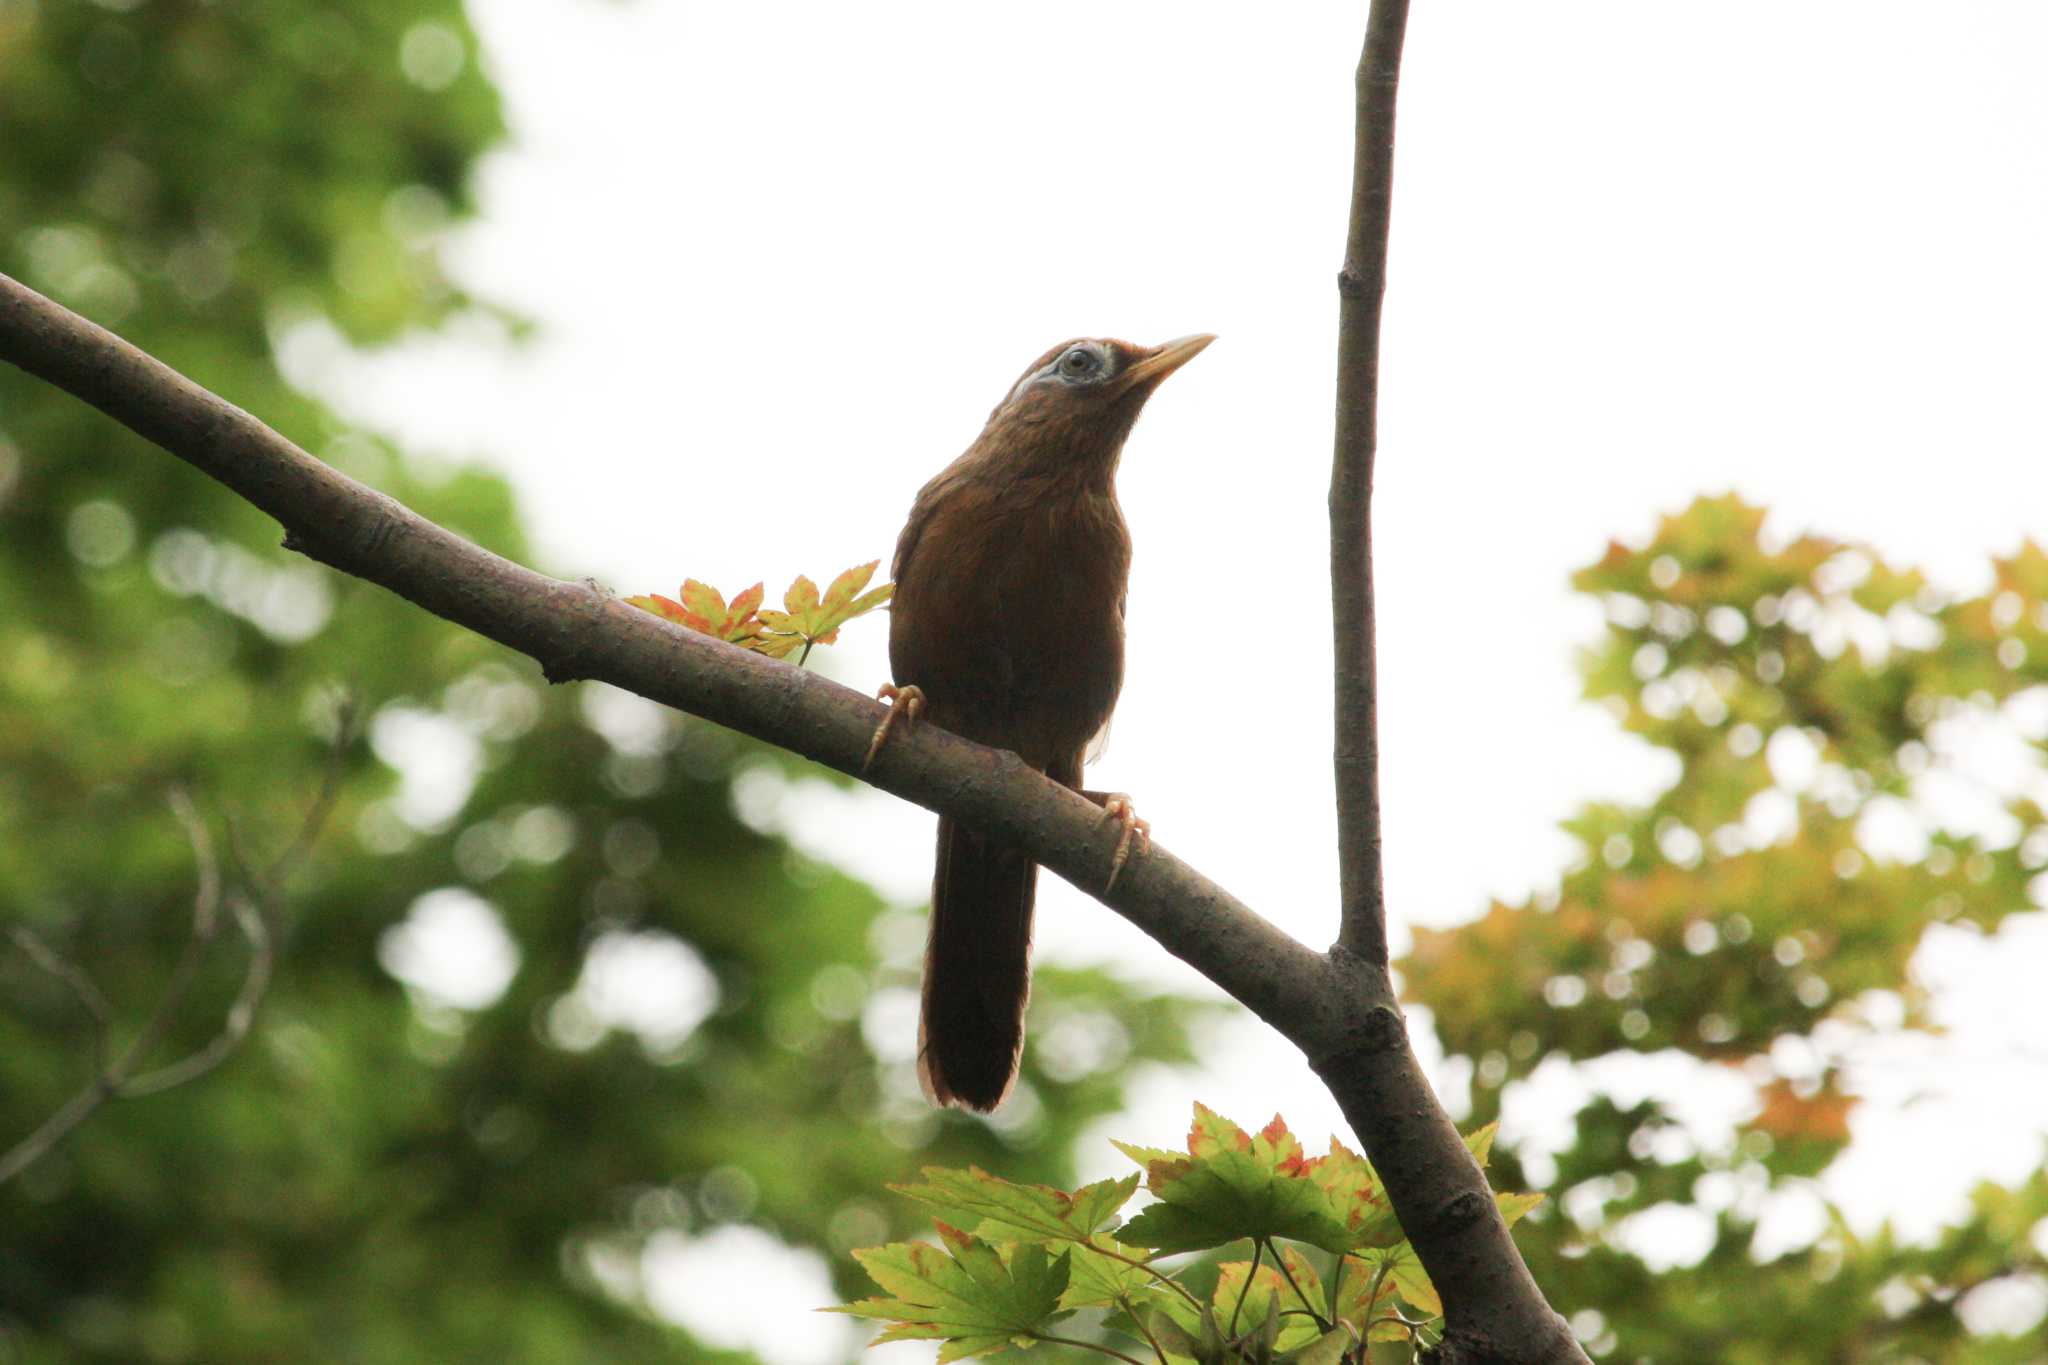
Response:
column 75, row 979
column 1341, row 1013
column 1361, row 286
column 575, row 630
column 256, row 917
column 1492, row 1307
column 109, row 1079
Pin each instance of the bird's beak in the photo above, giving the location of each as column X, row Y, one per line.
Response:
column 1164, row 359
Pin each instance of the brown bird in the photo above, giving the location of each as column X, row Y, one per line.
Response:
column 1007, row 628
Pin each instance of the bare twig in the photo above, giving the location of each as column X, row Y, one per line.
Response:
column 206, row 896
column 205, row 926
column 108, row 1080
column 73, row 976
column 1361, row 286
column 240, row 1016
column 254, row 917
column 54, row 1130
column 348, row 728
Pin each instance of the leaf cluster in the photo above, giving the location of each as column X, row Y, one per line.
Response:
column 1328, row 1275
column 808, row 618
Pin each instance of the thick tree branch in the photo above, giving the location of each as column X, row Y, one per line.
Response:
column 1339, row 1010
column 577, row 631
column 1361, row 286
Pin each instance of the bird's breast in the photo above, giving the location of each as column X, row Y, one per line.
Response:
column 1009, row 613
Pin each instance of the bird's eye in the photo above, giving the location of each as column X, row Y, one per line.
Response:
column 1080, row 361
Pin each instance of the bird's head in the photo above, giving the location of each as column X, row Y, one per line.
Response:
column 1076, row 403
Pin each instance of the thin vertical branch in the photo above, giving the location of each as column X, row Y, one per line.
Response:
column 1361, row 286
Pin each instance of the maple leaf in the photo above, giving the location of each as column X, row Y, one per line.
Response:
column 777, row 646
column 814, row 619
column 1251, row 1300
column 1010, row 1211
column 705, row 610
column 807, row 619
column 1399, row 1269
column 998, row 1286
column 1104, row 1271
column 963, row 1293
column 1370, row 1284
column 1357, row 1196
column 1101, row 1269
column 1231, row 1185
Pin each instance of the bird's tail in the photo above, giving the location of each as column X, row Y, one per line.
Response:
column 977, row 969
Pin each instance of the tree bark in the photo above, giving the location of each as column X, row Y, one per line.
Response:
column 1493, row 1310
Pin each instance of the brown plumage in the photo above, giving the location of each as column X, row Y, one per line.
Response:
column 1008, row 621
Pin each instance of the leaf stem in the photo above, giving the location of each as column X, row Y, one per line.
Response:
column 1258, row 1245
column 1372, row 1295
column 1086, row 1346
column 1157, row 1274
column 1299, row 1297
column 1123, row 1301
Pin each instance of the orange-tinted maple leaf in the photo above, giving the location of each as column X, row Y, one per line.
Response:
column 705, row 610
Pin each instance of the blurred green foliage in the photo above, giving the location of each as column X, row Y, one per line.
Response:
column 1740, row 919
column 379, row 1174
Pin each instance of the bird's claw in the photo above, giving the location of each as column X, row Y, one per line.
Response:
column 1117, row 806
column 904, row 704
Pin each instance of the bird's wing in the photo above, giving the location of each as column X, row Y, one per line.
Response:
column 1099, row 745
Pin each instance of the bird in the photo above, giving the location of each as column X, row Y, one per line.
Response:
column 1007, row 628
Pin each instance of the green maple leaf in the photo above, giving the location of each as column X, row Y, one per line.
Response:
column 1100, row 1267
column 1008, row 1212
column 1231, row 1185
column 1513, row 1206
column 1405, row 1273
column 1404, row 1270
column 1355, row 1193
column 1327, row 1349
column 1101, row 1272
column 1370, row 1285
column 963, row 1293
column 1267, row 1295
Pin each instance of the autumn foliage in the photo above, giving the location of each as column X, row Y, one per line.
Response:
column 808, row 618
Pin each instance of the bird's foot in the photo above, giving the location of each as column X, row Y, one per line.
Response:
column 1136, row 833
column 904, row 705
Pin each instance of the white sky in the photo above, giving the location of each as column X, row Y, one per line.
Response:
column 786, row 257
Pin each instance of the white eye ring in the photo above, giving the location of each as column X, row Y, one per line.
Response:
column 1080, row 360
